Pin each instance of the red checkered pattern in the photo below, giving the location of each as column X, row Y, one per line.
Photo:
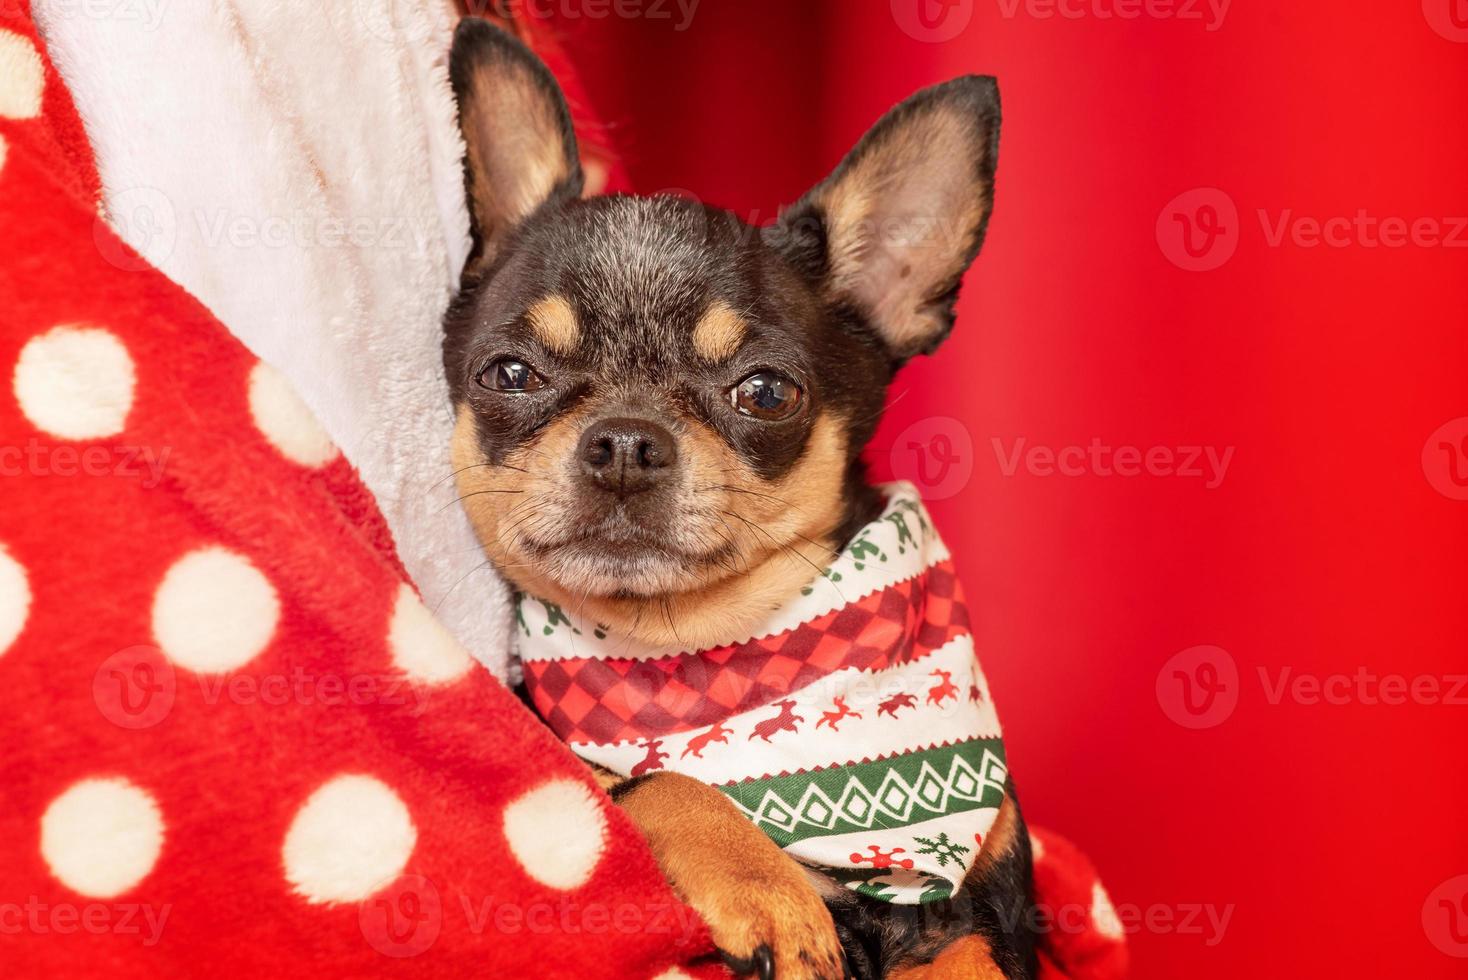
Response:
column 612, row 700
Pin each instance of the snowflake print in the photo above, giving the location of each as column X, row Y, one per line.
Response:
column 943, row 849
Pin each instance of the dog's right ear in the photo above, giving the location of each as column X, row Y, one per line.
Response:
column 520, row 146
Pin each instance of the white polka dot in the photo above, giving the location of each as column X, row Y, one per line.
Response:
column 284, row 419
column 214, row 611
column 421, row 647
column 3, row 148
column 349, row 840
column 75, row 382
column 1103, row 914
column 15, row 600
column 22, row 79
column 102, row 836
column 1037, row 849
column 673, row 974
column 557, row 832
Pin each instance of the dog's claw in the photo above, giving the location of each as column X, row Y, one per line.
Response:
column 765, row 961
column 761, row 961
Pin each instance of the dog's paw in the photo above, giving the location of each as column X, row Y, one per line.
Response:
column 782, row 932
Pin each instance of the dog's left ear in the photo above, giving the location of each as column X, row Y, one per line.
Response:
column 519, row 142
column 892, row 230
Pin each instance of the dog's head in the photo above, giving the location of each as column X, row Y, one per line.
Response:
column 657, row 401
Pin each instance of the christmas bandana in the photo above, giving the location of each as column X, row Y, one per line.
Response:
column 853, row 726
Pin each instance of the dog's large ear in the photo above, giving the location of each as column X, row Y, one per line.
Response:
column 892, row 230
column 520, row 146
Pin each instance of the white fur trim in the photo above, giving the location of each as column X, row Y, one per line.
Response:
column 75, row 382
column 557, row 832
column 102, row 836
column 214, row 611
column 22, row 80
column 348, row 841
column 332, row 257
column 284, row 419
column 421, row 647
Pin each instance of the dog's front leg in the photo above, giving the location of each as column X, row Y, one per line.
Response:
column 760, row 908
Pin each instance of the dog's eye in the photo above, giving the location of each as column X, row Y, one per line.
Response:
column 508, row 374
column 766, row 395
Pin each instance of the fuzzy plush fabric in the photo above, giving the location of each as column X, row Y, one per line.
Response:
column 235, row 736
column 297, row 168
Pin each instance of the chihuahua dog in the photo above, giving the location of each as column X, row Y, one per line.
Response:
column 660, row 417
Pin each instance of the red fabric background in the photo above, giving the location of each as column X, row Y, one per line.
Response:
column 1325, row 549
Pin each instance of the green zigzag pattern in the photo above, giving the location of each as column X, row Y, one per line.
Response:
column 881, row 795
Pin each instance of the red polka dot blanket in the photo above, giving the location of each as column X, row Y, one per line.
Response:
column 234, row 736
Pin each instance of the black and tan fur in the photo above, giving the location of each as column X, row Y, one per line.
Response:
column 619, row 479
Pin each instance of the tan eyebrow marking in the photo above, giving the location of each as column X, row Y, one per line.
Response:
column 719, row 332
column 554, row 322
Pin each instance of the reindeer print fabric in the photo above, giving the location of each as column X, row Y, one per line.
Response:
column 854, row 727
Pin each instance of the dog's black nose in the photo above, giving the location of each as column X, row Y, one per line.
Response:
column 627, row 456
